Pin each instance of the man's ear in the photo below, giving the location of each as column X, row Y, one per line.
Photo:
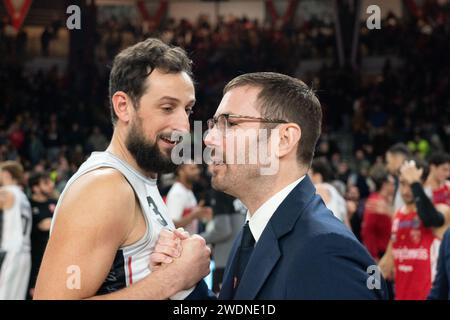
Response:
column 122, row 106
column 289, row 135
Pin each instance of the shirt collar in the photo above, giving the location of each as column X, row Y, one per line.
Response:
column 261, row 217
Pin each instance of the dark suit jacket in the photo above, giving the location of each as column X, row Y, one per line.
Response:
column 304, row 253
column 441, row 284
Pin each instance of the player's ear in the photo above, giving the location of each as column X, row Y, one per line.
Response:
column 289, row 138
column 122, row 106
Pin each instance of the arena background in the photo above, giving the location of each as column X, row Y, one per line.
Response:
column 377, row 86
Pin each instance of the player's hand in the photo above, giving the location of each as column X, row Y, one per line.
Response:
column 379, row 206
column 193, row 264
column 410, row 173
column 204, row 213
column 167, row 247
column 387, row 268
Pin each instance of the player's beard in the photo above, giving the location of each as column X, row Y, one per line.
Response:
column 147, row 154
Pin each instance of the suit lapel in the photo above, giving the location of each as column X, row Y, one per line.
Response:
column 267, row 251
column 264, row 257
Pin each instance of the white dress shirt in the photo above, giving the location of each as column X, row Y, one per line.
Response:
column 258, row 221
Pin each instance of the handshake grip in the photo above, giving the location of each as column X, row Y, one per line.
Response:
column 187, row 256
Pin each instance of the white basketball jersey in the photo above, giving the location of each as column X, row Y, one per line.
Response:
column 131, row 263
column 16, row 228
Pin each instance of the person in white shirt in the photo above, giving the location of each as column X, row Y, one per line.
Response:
column 321, row 175
column 181, row 202
column 15, row 243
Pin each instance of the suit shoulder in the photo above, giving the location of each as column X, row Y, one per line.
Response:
column 318, row 220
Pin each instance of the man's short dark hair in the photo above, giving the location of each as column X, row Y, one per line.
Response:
column 36, row 177
column 439, row 158
column 286, row 98
column 133, row 65
column 400, row 148
column 379, row 178
column 322, row 167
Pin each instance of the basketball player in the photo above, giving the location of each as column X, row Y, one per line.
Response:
column 181, row 202
column 110, row 214
column 43, row 203
column 437, row 184
column 417, row 229
column 377, row 217
column 395, row 157
column 15, row 242
column 436, row 187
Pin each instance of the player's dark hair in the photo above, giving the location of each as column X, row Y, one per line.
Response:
column 439, row 158
column 400, row 148
column 379, row 178
column 286, row 98
column 322, row 167
column 133, row 65
column 35, row 178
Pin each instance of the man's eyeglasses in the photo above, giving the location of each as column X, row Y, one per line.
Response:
column 221, row 122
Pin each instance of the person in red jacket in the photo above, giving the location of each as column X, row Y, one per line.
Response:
column 377, row 217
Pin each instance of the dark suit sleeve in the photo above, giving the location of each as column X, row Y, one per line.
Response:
column 440, row 289
column 201, row 292
column 333, row 266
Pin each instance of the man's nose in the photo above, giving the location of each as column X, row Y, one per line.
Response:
column 212, row 137
column 181, row 123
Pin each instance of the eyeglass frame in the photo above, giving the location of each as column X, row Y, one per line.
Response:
column 215, row 120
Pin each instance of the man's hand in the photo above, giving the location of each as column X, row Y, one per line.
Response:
column 168, row 247
column 191, row 266
column 379, row 206
column 203, row 213
column 410, row 173
column 386, row 263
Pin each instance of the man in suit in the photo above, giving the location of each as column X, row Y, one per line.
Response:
column 291, row 247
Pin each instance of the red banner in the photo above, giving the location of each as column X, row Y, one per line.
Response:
column 158, row 15
column 287, row 16
column 412, row 6
column 17, row 10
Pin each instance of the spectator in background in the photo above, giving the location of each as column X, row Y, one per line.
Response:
column 43, row 203
column 321, row 176
column 181, row 202
column 36, row 149
column 355, row 209
column 97, row 140
column 395, row 157
column 46, row 37
column 228, row 219
column 377, row 217
column 437, row 185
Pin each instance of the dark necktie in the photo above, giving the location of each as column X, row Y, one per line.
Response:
column 243, row 255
